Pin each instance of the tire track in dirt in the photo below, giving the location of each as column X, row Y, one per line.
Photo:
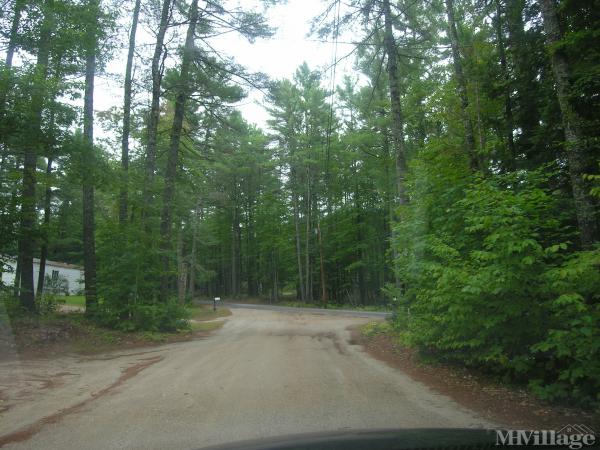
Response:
column 29, row 431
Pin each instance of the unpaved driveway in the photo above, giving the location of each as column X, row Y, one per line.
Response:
column 265, row 373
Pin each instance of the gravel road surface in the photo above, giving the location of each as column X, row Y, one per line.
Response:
column 264, row 373
column 317, row 311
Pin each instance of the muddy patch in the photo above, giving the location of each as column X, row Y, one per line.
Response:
column 319, row 336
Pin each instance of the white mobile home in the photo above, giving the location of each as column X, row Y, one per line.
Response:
column 61, row 278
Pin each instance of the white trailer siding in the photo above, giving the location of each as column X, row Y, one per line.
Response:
column 71, row 273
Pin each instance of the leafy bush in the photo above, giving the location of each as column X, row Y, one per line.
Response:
column 47, row 304
column 570, row 351
column 129, row 266
column 491, row 279
column 10, row 307
column 166, row 317
column 129, row 283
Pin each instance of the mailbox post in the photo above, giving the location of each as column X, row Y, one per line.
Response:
column 215, row 303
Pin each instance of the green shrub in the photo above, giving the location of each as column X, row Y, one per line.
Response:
column 129, row 283
column 570, row 351
column 492, row 279
column 47, row 304
column 170, row 316
column 10, row 307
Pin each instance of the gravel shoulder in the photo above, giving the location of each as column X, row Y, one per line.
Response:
column 515, row 407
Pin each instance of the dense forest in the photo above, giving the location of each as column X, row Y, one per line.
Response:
column 453, row 175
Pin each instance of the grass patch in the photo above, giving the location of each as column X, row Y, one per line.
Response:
column 73, row 300
column 59, row 333
column 372, row 329
column 205, row 312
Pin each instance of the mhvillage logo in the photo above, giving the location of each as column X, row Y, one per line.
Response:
column 570, row 436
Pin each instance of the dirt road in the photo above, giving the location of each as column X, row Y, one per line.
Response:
column 265, row 373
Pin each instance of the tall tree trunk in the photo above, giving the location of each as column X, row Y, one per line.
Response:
column 157, row 72
column 389, row 223
column 528, row 115
column 298, row 245
column 324, row 296
column 89, row 226
column 397, row 125
column 192, row 280
column 14, row 32
column 275, row 288
column 173, row 156
column 17, row 280
column 359, row 241
column 576, row 147
column 507, row 88
column 123, row 197
column 480, row 130
column 10, row 51
column 461, row 86
column 181, row 268
column 235, row 225
column 307, row 272
column 44, row 246
column 28, row 195
column 48, row 191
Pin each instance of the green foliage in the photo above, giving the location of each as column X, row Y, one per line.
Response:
column 10, row 308
column 128, row 283
column 129, row 266
column 47, row 304
column 489, row 281
column 167, row 316
column 374, row 328
column 570, row 351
